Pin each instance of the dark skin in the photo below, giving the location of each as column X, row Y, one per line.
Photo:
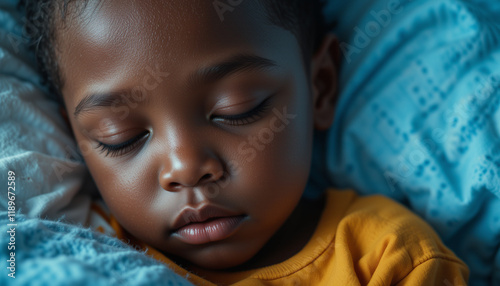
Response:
column 199, row 140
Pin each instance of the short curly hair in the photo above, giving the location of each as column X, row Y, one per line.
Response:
column 301, row 17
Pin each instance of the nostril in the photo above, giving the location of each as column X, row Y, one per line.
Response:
column 205, row 177
column 177, row 186
column 174, row 185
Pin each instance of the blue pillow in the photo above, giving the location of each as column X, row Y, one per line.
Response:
column 418, row 118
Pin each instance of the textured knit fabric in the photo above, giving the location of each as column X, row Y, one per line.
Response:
column 358, row 241
column 34, row 141
column 58, row 254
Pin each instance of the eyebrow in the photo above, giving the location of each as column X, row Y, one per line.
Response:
column 235, row 64
column 95, row 101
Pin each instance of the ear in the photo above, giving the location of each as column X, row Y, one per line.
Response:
column 324, row 79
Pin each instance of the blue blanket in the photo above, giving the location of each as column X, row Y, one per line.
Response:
column 55, row 253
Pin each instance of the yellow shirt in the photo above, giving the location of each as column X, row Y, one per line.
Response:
column 358, row 241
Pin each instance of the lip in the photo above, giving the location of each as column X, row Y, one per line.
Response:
column 205, row 224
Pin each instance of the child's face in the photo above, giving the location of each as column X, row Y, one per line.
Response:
column 208, row 119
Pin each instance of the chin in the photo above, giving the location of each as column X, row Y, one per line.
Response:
column 220, row 259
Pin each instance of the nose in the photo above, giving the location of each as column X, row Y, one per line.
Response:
column 190, row 167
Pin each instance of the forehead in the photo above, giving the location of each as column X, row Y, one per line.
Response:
column 112, row 22
column 111, row 37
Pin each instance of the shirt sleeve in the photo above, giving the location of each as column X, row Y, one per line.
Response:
column 437, row 271
column 389, row 244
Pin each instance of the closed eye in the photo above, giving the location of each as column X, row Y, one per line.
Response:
column 244, row 118
column 122, row 148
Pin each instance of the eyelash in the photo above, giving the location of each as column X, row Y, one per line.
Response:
column 244, row 118
column 235, row 120
column 122, row 148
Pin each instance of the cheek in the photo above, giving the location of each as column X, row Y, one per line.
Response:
column 287, row 156
column 276, row 161
column 127, row 188
column 287, row 141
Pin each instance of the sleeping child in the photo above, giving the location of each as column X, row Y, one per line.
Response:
column 196, row 119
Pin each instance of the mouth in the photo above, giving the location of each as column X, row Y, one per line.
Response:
column 206, row 224
column 214, row 229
